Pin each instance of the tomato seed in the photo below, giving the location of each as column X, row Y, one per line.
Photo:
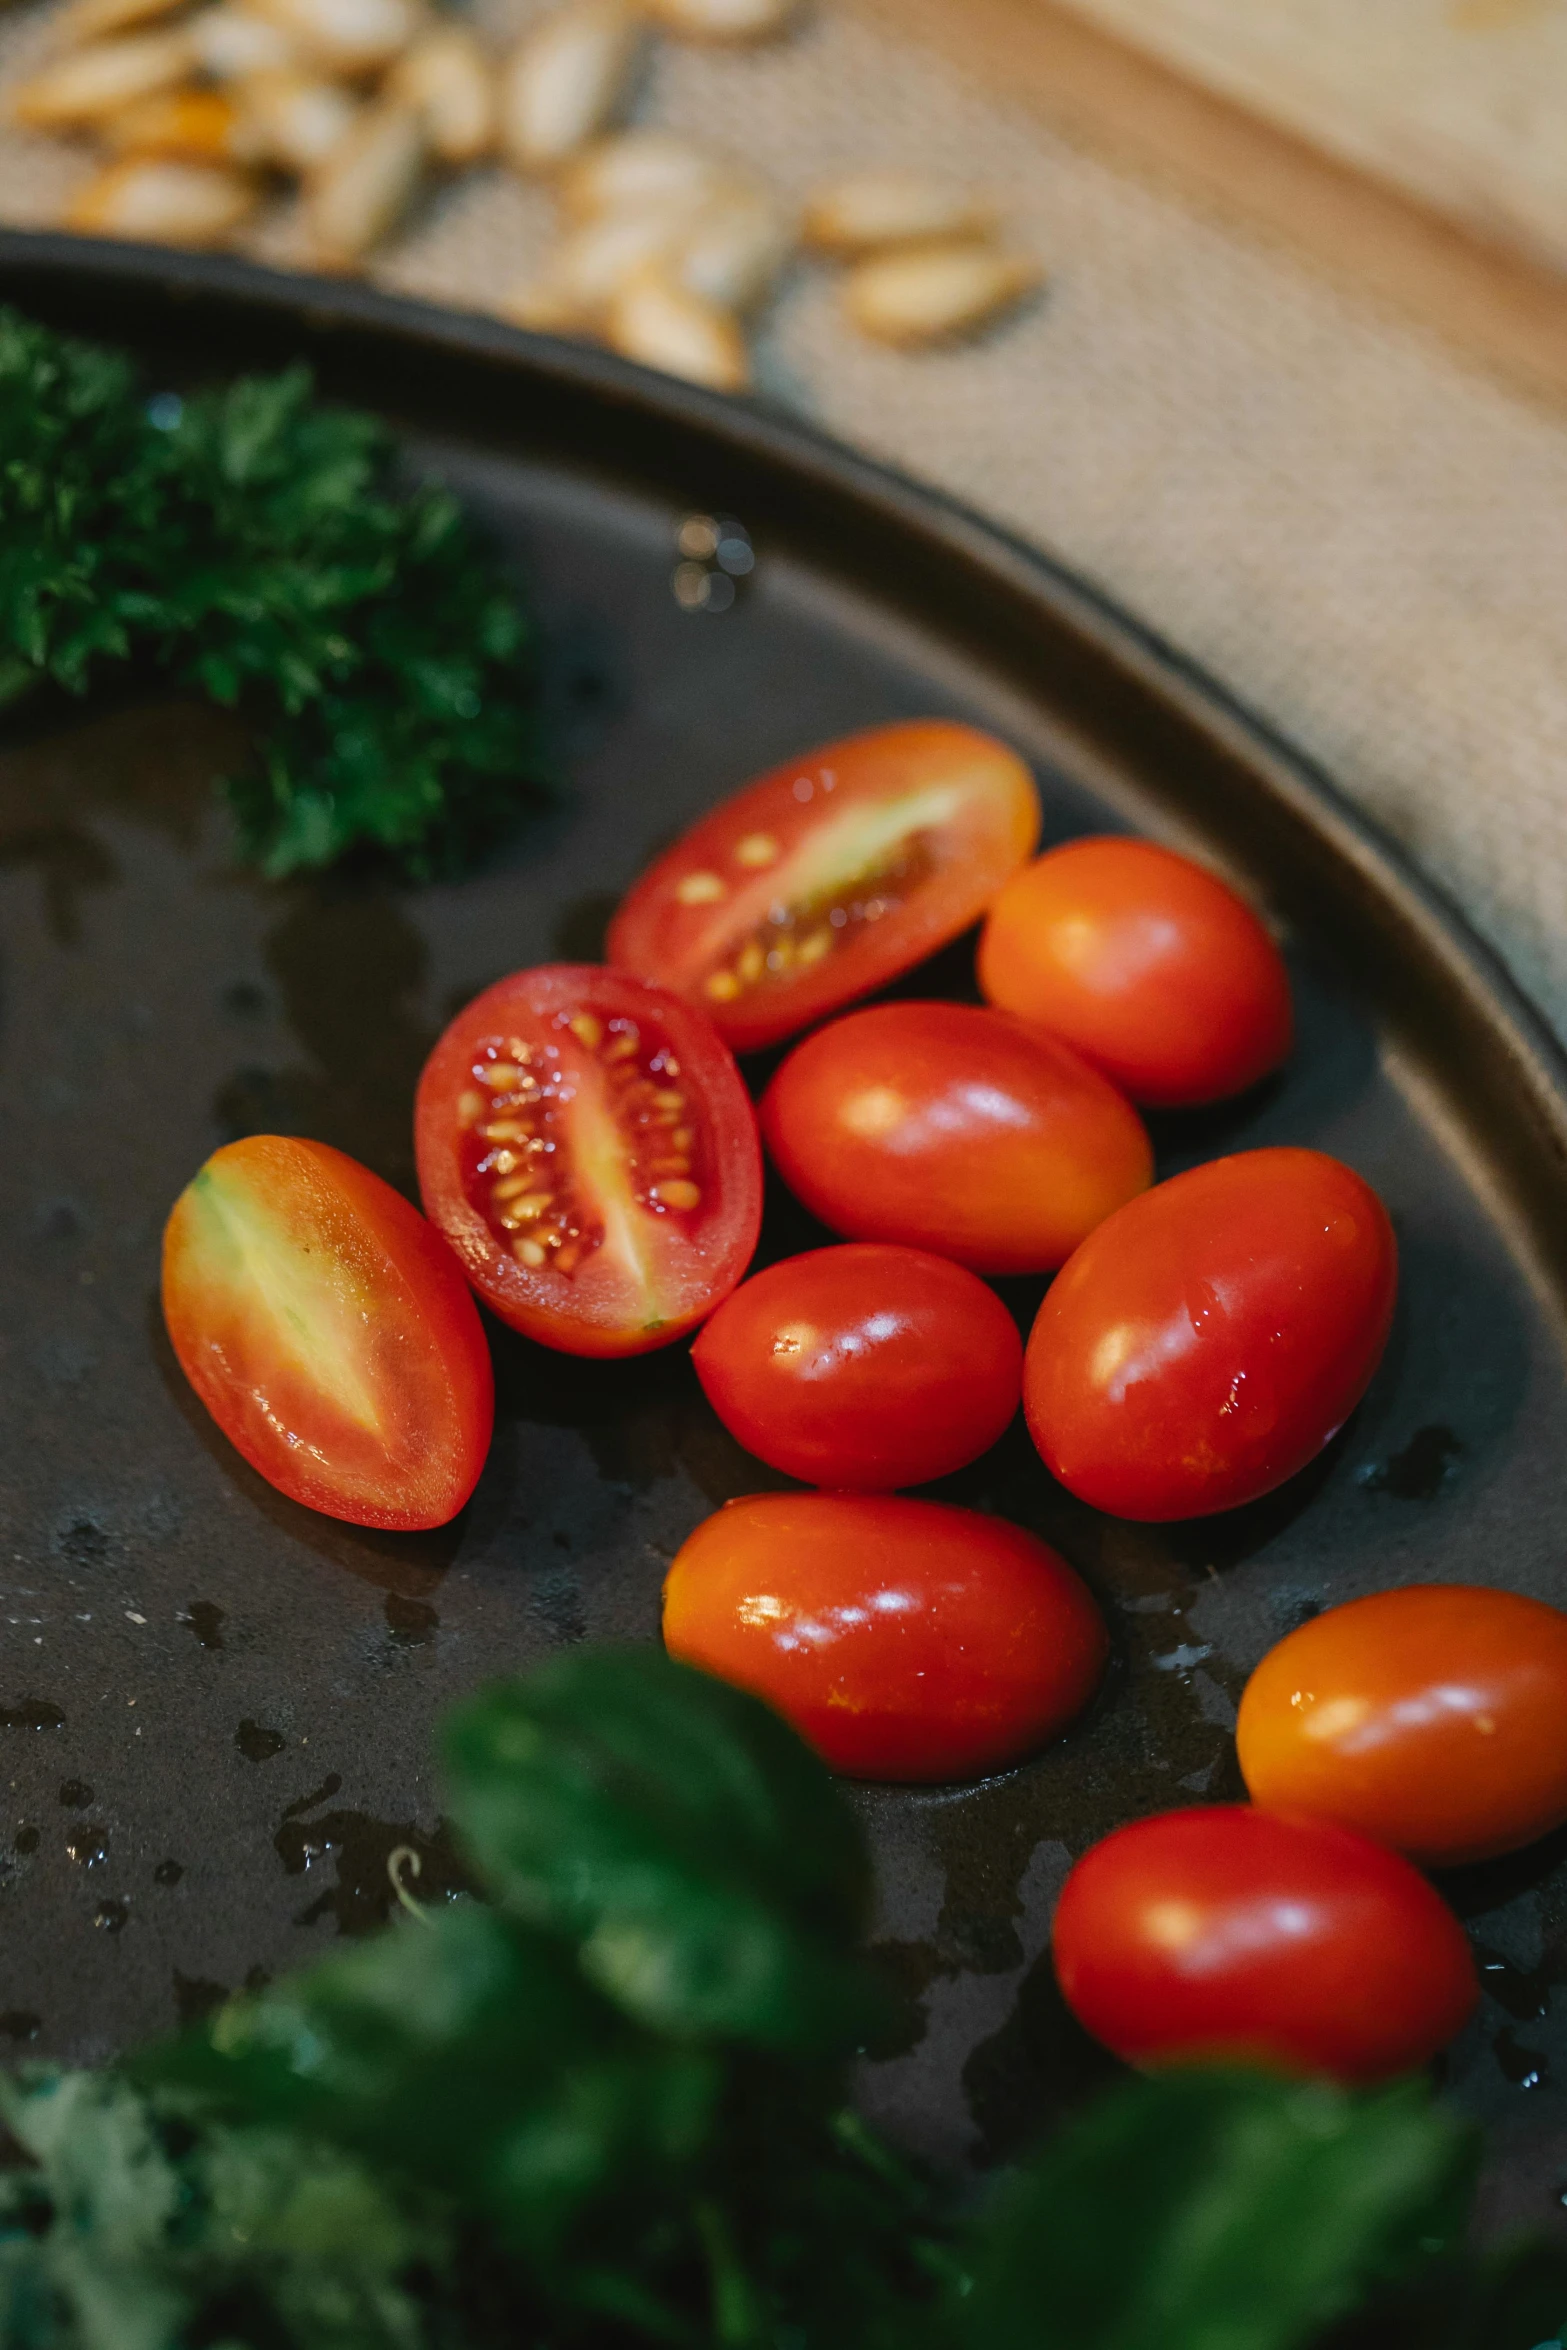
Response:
column 677, row 1193
column 528, row 1252
column 471, row 1106
column 502, row 1076
column 699, row 889
column 757, row 848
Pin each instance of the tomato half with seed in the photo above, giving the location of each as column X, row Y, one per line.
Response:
column 1150, row 965
column 903, row 1639
column 827, row 877
column 586, row 1145
column 863, row 1366
column 328, row 1330
column 955, row 1129
column 1227, row 1935
column 1211, row 1337
column 1433, row 1718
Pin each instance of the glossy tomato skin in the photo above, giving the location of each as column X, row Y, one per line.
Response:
column 829, row 875
column 617, row 1113
column 863, row 1366
column 951, row 1128
column 904, row 1640
column 1228, row 1935
column 1433, row 1718
column 328, row 1330
column 1207, row 1340
column 1148, row 964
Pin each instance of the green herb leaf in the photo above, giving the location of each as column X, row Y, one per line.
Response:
column 1216, row 2211
column 682, row 1836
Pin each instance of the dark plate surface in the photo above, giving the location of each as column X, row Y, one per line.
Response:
column 215, row 1708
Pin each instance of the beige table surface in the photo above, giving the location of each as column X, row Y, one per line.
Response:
column 1301, row 452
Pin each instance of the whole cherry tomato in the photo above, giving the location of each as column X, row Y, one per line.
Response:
column 586, row 1145
column 328, row 1330
column 903, row 1639
column 1433, row 1718
column 951, row 1128
column 863, row 1366
column 1209, row 1338
column 1224, row 1934
column 1155, row 970
column 829, row 875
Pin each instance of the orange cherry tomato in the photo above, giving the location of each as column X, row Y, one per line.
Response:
column 587, row 1145
column 328, row 1330
column 1209, row 1338
column 830, row 875
column 955, row 1129
column 1155, row 970
column 1227, row 1935
column 1433, row 1718
column 903, row 1639
column 863, row 1366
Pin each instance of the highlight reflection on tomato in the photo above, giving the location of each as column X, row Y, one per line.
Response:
column 903, row 1639
column 1227, row 1934
column 1148, row 964
column 586, row 1145
column 1209, row 1338
column 328, row 1330
column 863, row 1366
column 1432, row 1717
column 955, row 1129
column 829, row 875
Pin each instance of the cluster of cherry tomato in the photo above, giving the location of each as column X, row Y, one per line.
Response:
column 591, row 1167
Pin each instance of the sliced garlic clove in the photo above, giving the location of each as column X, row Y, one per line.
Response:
column 93, row 83
column 723, row 20
column 196, row 126
column 734, row 249
column 664, row 325
column 935, row 293
column 564, row 80
column 296, row 119
column 365, row 186
column 449, row 81
column 868, row 209
column 636, row 167
column 164, row 201
column 96, row 20
column 231, row 44
column 345, row 36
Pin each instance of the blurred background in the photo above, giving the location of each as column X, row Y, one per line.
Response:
column 1255, row 311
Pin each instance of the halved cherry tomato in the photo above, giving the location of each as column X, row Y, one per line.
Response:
column 1208, row 1339
column 1227, row 1935
column 903, row 1639
column 1433, row 1718
column 586, row 1145
column 948, row 1127
column 329, row 1332
column 863, row 1366
column 1155, row 970
column 830, row 875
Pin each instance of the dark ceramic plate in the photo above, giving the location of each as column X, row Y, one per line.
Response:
column 217, row 1708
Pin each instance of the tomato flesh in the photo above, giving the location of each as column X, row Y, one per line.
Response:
column 1209, row 1338
column 903, row 1639
column 1433, row 1718
column 1150, row 965
column 829, row 875
column 329, row 1332
column 954, row 1129
column 1227, row 1935
column 863, row 1366
column 587, row 1147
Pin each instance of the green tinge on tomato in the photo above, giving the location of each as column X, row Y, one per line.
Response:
column 904, row 1640
column 1209, row 1338
column 328, row 1330
column 1224, row 1934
